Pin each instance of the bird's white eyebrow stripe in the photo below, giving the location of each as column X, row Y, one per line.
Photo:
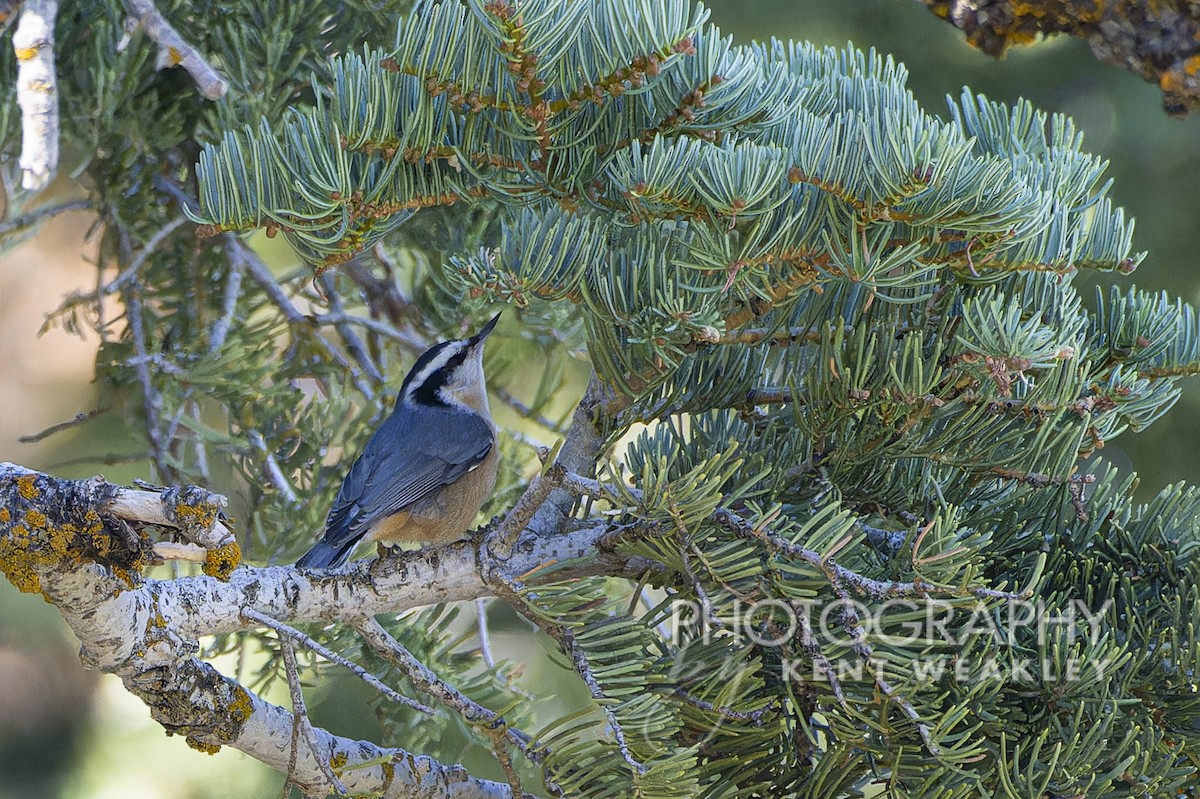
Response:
column 439, row 362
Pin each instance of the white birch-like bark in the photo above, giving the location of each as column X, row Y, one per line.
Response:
column 147, row 633
column 37, row 92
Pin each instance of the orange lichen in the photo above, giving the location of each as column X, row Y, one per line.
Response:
column 27, row 486
column 201, row 746
column 5, row 516
column 35, row 519
column 339, row 761
column 220, row 562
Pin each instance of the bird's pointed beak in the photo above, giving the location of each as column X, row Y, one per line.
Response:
column 483, row 331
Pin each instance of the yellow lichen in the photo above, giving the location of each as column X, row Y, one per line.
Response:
column 242, row 706
column 59, row 539
column 26, row 486
column 5, row 516
column 21, row 576
column 124, row 576
column 35, row 519
column 339, row 761
column 201, row 746
column 203, row 514
column 100, row 540
column 220, row 562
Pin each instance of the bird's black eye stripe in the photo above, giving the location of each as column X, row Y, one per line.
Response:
column 426, row 393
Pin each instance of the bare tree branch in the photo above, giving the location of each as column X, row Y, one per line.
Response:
column 175, row 50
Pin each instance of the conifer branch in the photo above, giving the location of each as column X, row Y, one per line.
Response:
column 490, row 724
column 333, row 657
column 566, row 641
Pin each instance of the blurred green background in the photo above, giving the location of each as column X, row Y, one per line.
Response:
column 65, row 732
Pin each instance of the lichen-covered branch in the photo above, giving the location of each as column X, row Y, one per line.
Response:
column 37, row 92
column 82, row 544
column 1158, row 41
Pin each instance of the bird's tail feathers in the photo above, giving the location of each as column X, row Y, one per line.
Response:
column 325, row 556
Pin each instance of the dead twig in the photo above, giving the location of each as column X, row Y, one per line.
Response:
column 174, row 50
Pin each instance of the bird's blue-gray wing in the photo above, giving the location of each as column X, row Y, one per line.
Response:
column 414, row 453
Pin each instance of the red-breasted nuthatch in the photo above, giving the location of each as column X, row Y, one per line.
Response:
column 427, row 470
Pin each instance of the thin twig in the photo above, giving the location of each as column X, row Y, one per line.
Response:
column 409, row 341
column 174, row 50
column 301, row 723
column 151, row 399
column 233, row 290
column 37, row 92
column 731, row 521
column 425, row 680
column 710, row 618
column 524, row 410
column 354, row 344
column 77, row 420
column 169, row 185
column 485, row 638
column 818, row 657
column 198, row 445
column 754, row 717
column 41, row 213
column 260, row 273
column 500, row 541
column 130, row 272
column 274, row 472
column 333, row 657
column 866, row 586
column 858, row 642
column 128, row 275
column 567, row 643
